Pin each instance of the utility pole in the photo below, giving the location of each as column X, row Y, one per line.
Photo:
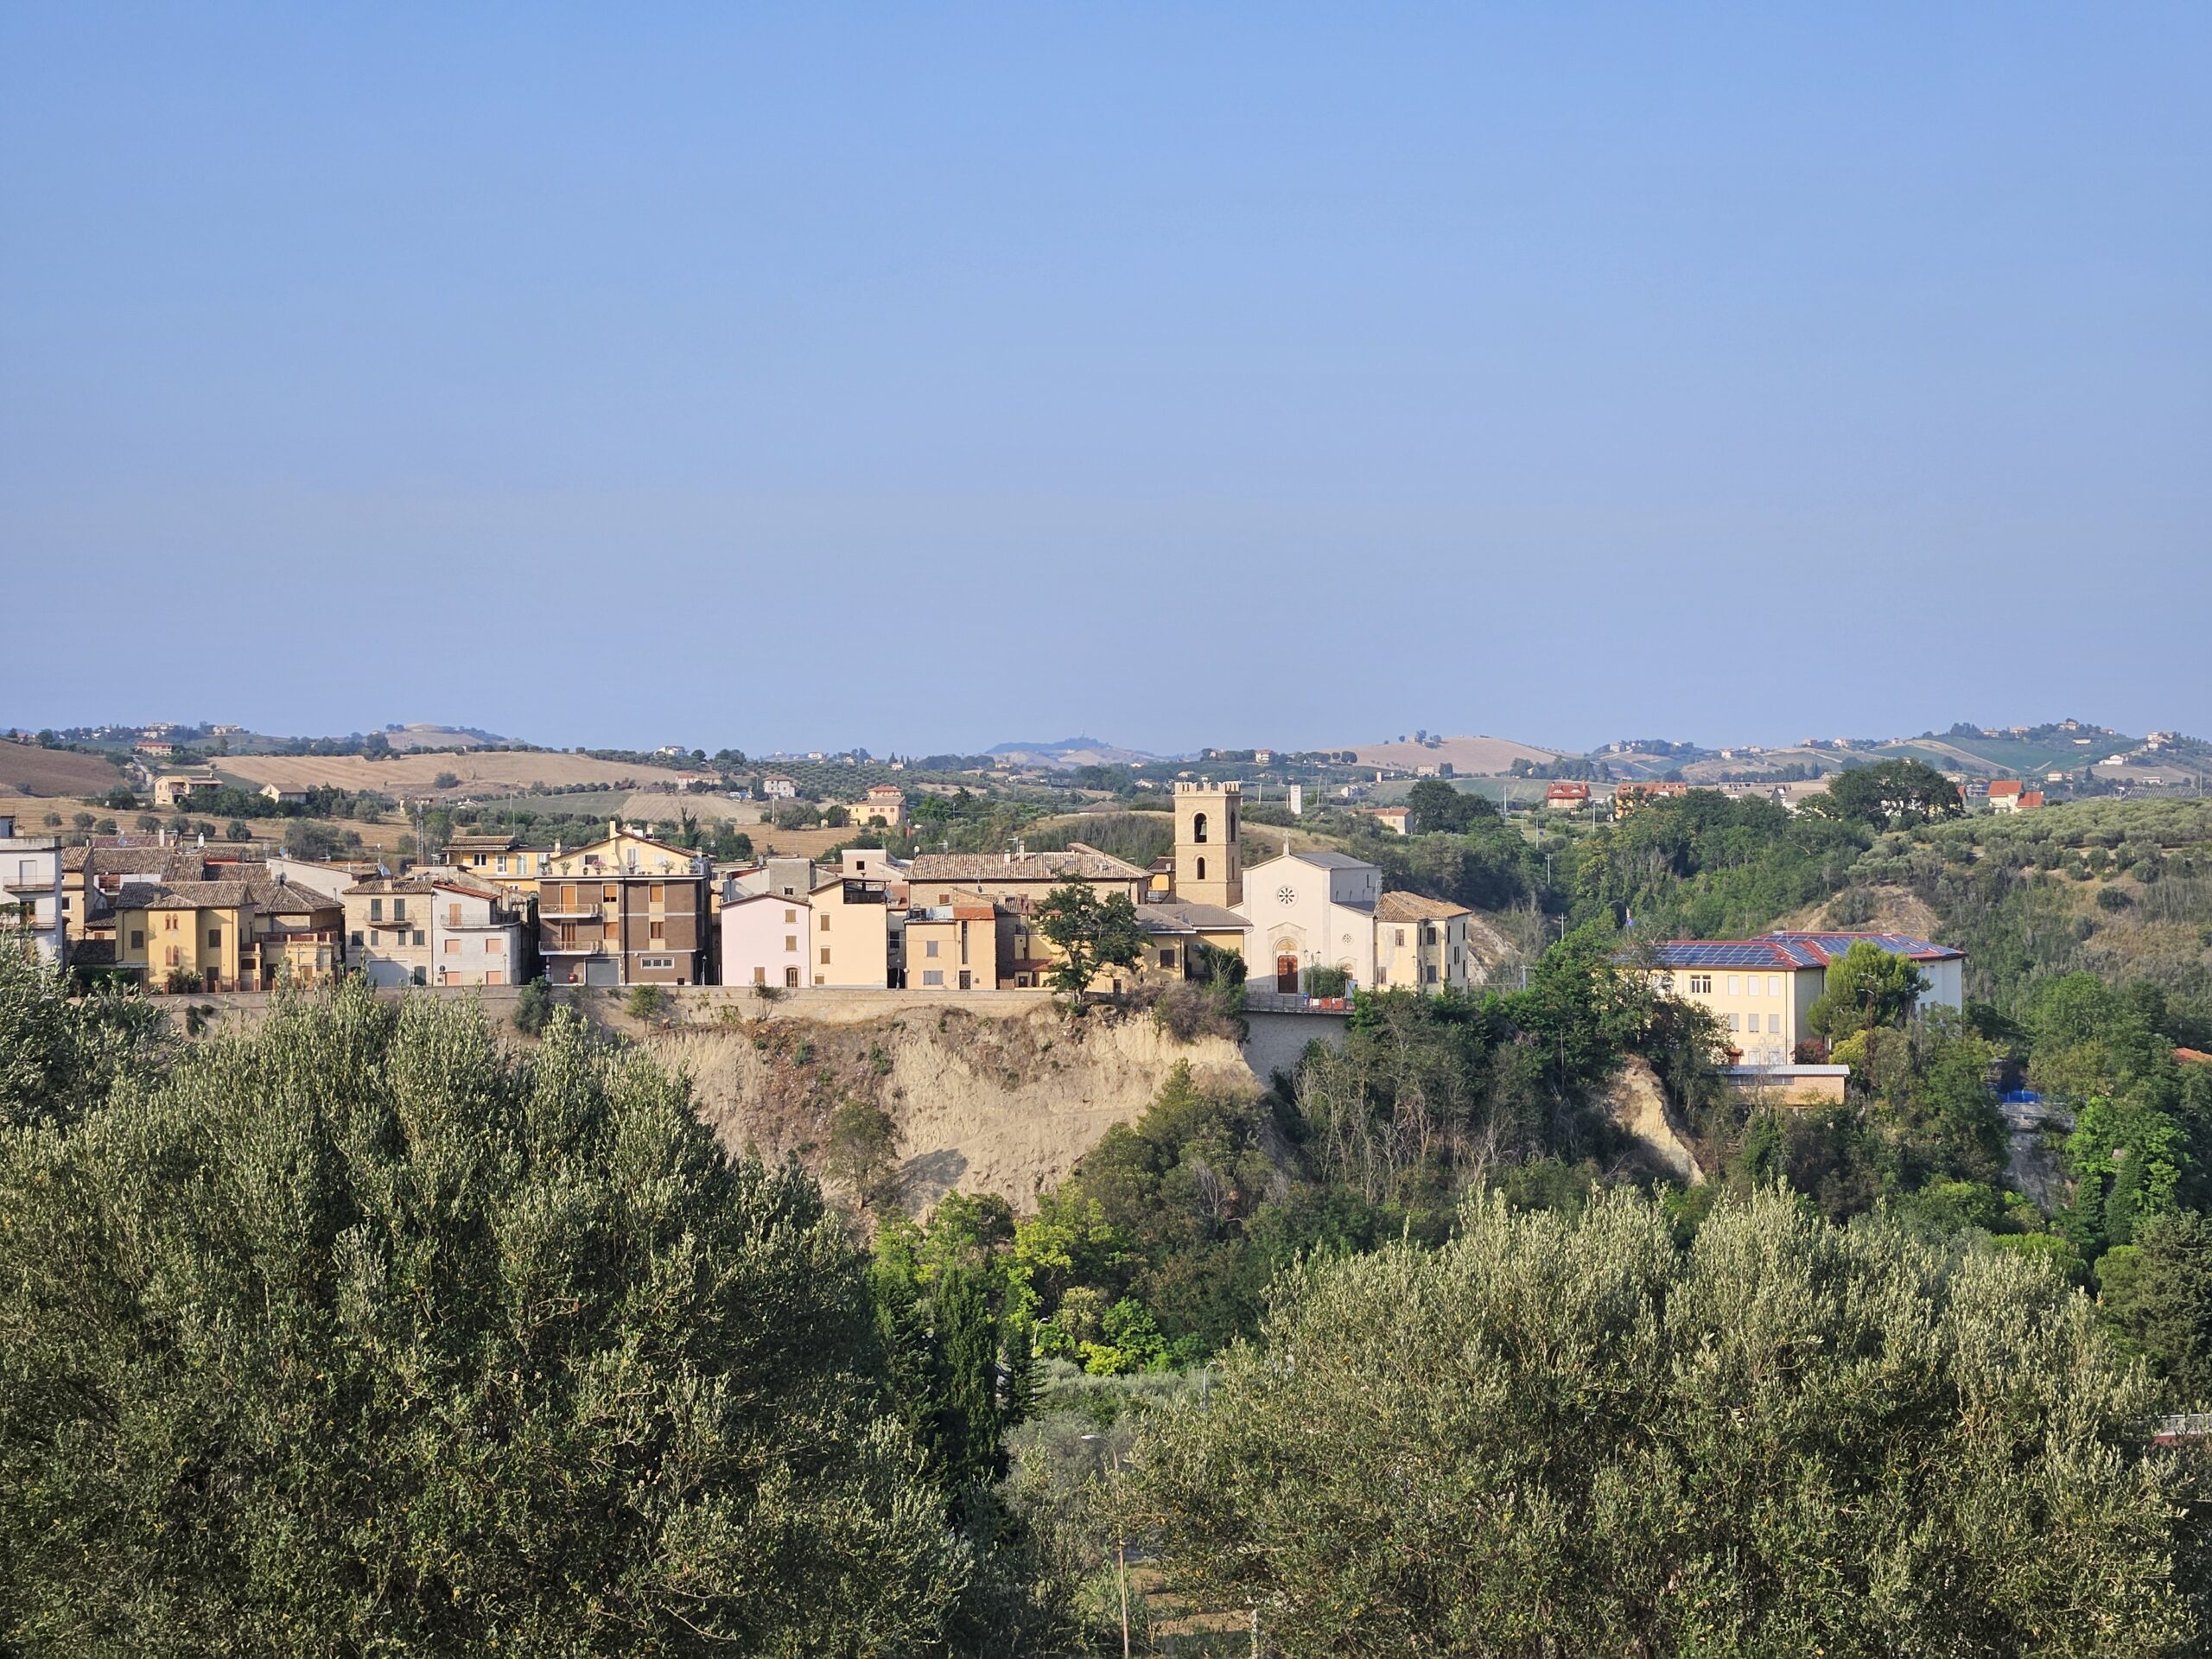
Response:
column 1121, row 1558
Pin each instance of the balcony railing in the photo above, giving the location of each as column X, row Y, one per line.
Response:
column 575, row 947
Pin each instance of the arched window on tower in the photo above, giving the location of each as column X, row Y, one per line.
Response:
column 1199, row 826
column 1202, row 870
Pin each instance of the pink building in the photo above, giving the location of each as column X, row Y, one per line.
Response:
column 767, row 939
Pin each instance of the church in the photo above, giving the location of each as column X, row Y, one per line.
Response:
column 1306, row 909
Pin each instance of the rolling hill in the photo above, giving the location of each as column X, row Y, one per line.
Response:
column 26, row 769
column 1469, row 756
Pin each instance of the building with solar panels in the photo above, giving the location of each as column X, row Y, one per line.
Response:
column 1760, row 989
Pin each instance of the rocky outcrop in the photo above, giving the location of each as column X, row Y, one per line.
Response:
column 1637, row 1101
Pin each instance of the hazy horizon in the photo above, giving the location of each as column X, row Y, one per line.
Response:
column 928, row 382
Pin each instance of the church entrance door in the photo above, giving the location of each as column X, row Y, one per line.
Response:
column 1287, row 974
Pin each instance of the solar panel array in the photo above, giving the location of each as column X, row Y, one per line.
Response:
column 1724, row 953
column 1834, row 944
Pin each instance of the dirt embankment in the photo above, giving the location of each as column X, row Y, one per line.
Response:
column 1000, row 1103
column 1896, row 910
column 1000, row 1097
column 1637, row 1103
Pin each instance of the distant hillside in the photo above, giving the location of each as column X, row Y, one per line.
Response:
column 1070, row 752
column 2013, row 757
column 420, row 736
column 26, row 769
column 478, row 771
column 1469, row 756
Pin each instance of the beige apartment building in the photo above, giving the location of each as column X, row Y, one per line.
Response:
column 388, row 930
column 1761, row 989
column 1422, row 944
column 853, row 937
column 967, row 946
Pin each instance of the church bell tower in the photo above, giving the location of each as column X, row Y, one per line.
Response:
column 1208, row 844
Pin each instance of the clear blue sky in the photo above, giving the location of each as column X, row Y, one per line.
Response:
column 925, row 376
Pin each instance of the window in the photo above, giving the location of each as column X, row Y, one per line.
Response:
column 1167, row 957
column 1202, row 869
column 1701, row 984
column 656, row 894
column 568, row 897
column 357, row 941
column 929, row 948
column 1735, row 1022
column 214, row 938
column 933, row 977
column 1735, row 984
column 399, row 909
column 418, row 940
column 791, row 941
column 821, row 922
column 655, row 932
column 495, row 946
column 790, row 917
column 420, row 978
column 376, row 910
column 172, row 955
column 759, row 975
column 1774, row 984
column 1774, row 1025
column 500, row 865
column 1400, row 935
column 791, row 979
column 1198, row 828
column 453, row 915
column 825, row 955
column 453, row 947
column 610, row 894
column 1751, row 985
column 655, row 962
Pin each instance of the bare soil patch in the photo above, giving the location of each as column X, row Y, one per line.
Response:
column 26, row 769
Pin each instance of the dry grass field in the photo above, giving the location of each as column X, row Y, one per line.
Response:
column 506, row 769
column 1470, row 756
column 26, row 769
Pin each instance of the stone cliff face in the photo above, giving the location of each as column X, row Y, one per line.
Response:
column 999, row 1102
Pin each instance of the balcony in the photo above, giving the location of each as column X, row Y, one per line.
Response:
column 573, row 948
column 556, row 912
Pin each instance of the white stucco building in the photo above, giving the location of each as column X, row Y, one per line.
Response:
column 31, row 870
column 474, row 938
column 1309, row 910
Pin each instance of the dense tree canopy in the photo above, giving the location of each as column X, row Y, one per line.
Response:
column 1571, row 1436
column 1892, row 793
column 1867, row 988
column 1092, row 931
column 360, row 1335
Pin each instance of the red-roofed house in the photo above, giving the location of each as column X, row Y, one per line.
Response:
column 1567, row 797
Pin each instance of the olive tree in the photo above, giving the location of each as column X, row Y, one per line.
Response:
column 1567, row 1436
column 361, row 1334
